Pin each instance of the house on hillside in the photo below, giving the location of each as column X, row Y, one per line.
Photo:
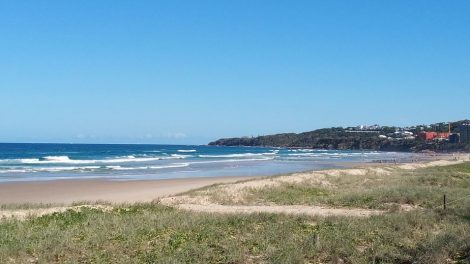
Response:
column 428, row 136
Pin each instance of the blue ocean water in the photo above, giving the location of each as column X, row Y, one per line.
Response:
column 34, row 162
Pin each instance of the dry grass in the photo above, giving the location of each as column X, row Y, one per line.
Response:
column 383, row 188
column 152, row 233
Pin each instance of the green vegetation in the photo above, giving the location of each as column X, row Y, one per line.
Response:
column 378, row 190
column 288, row 194
column 349, row 139
column 152, row 233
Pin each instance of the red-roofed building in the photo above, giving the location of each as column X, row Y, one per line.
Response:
column 428, row 135
column 443, row 135
column 433, row 135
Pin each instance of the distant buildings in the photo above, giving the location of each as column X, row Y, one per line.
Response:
column 465, row 133
column 428, row 135
column 367, row 127
column 444, row 135
column 433, row 135
column 399, row 134
column 462, row 137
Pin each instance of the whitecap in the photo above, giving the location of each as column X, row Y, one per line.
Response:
column 231, row 160
column 129, row 159
column 179, row 156
column 175, row 165
column 232, row 155
column 54, row 160
column 49, row 169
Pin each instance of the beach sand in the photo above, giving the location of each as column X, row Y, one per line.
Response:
column 69, row 191
column 65, row 192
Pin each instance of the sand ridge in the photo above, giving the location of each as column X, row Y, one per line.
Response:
column 278, row 209
column 201, row 202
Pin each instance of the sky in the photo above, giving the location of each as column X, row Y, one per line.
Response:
column 188, row 72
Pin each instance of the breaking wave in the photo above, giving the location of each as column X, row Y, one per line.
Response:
column 238, row 155
column 68, row 160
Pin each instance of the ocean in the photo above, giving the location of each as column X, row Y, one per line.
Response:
column 37, row 162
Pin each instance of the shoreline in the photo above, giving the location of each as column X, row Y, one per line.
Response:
column 69, row 191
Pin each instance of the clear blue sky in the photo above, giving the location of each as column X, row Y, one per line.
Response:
column 193, row 71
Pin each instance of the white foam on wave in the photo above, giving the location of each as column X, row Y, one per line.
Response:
column 142, row 159
column 50, row 169
column 235, row 155
column 59, row 169
column 89, row 168
column 179, row 156
column 26, row 160
column 68, row 160
column 129, row 159
column 15, row 161
column 231, row 160
column 14, row 171
column 53, row 160
column 305, row 155
column 57, row 158
column 273, row 153
column 124, row 168
column 173, row 165
column 306, row 150
column 187, row 150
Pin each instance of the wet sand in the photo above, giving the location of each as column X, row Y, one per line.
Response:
column 66, row 192
column 69, row 191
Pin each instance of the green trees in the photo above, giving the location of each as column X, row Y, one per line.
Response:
column 348, row 139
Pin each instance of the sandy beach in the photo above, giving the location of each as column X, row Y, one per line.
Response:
column 66, row 192
column 69, row 191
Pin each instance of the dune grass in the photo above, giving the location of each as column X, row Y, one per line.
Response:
column 152, row 233
column 420, row 188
